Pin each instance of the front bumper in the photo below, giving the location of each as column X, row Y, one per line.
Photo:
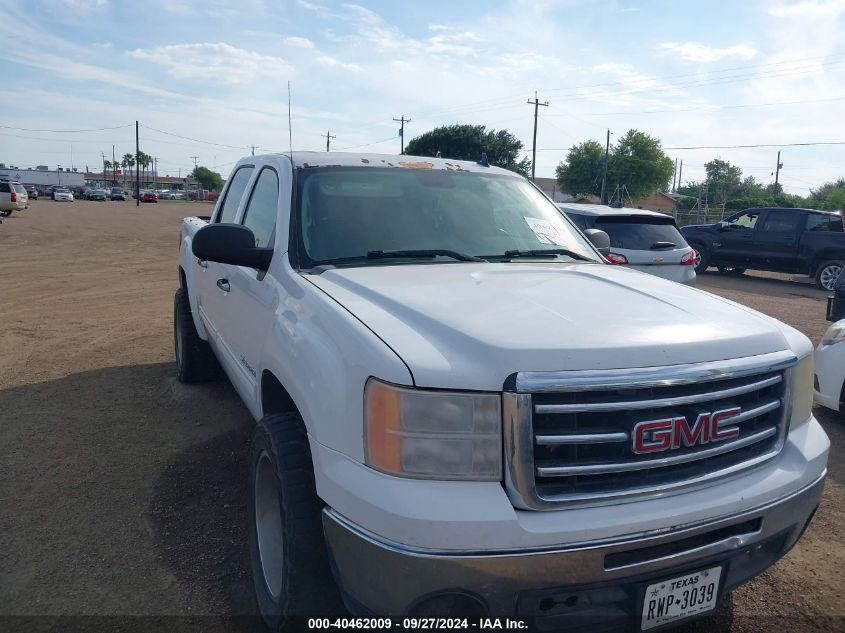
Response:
column 594, row 579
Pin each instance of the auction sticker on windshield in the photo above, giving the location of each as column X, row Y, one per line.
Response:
column 547, row 232
column 671, row 600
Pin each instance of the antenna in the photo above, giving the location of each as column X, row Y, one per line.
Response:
column 290, row 128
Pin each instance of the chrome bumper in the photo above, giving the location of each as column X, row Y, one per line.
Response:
column 385, row 578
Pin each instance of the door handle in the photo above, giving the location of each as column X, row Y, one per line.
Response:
column 223, row 284
column 202, row 263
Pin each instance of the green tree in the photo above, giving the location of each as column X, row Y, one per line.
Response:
column 207, row 179
column 582, row 171
column 821, row 194
column 723, row 180
column 144, row 160
column 835, row 199
column 639, row 163
column 467, row 142
column 127, row 162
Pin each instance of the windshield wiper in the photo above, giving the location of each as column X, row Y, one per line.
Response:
column 659, row 246
column 434, row 252
column 548, row 252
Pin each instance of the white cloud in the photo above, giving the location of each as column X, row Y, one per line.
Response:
column 299, row 42
column 438, row 27
column 703, row 54
column 807, row 9
column 331, row 62
column 218, row 61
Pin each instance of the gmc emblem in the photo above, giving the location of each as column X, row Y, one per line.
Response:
column 655, row 436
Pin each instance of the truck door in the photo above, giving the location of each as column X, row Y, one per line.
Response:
column 253, row 294
column 734, row 245
column 211, row 297
column 777, row 238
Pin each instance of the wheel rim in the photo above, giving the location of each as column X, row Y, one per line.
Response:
column 828, row 276
column 268, row 524
column 697, row 259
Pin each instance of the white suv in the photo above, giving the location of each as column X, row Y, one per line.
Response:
column 12, row 198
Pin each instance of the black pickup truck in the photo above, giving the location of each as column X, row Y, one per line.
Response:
column 802, row 241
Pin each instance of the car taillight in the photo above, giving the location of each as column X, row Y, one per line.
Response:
column 616, row 258
column 688, row 259
column 14, row 196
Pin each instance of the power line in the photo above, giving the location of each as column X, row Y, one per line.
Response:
column 195, row 140
column 99, row 129
column 719, row 107
column 759, row 145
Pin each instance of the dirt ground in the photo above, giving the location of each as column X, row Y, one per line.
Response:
column 122, row 491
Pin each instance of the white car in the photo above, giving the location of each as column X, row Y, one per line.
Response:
column 13, row 197
column 643, row 240
column 62, row 195
column 829, row 383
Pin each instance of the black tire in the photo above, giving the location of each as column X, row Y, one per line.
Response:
column 702, row 258
column 730, row 270
column 282, row 493
column 195, row 362
column 827, row 272
column 5, row 214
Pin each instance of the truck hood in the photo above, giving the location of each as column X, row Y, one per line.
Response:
column 470, row 326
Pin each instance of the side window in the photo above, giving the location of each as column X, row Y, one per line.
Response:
column 579, row 220
column 780, row 221
column 745, row 221
column 260, row 214
column 819, row 222
column 4, row 187
column 234, row 193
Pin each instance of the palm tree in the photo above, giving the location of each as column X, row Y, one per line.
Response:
column 127, row 161
column 106, row 167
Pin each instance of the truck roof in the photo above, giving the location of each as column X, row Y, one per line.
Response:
column 355, row 159
column 604, row 210
column 792, row 209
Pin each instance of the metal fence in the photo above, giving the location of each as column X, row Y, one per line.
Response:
column 700, row 216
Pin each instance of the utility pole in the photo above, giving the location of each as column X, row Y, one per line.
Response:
column 537, row 105
column 155, row 171
column 103, row 154
column 195, row 161
column 604, row 177
column 778, row 167
column 680, row 173
column 674, row 173
column 113, row 167
column 329, row 137
column 402, row 120
column 253, row 149
column 137, row 169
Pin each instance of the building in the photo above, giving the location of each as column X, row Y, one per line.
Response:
column 660, row 201
column 149, row 180
column 42, row 177
column 550, row 187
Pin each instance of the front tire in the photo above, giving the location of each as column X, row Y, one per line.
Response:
column 827, row 273
column 702, row 258
column 288, row 557
column 195, row 362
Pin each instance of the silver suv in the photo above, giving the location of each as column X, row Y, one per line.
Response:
column 13, row 197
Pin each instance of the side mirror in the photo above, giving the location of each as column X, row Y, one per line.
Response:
column 724, row 226
column 600, row 240
column 230, row 244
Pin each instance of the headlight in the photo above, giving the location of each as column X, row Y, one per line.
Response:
column 802, row 393
column 433, row 434
column 835, row 334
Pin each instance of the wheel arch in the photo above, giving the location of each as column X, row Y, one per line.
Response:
column 823, row 257
column 274, row 397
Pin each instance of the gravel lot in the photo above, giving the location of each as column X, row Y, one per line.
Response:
column 122, row 491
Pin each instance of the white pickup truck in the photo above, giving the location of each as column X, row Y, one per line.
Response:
column 462, row 409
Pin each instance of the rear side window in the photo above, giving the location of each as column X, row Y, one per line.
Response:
column 5, row 188
column 579, row 220
column 19, row 188
column 641, row 233
column 260, row 214
column 234, row 193
column 822, row 222
column 780, row 221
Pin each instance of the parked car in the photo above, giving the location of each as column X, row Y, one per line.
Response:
column 13, row 197
column 829, row 380
column 62, row 194
column 149, row 196
column 31, row 192
column 643, row 240
column 798, row 241
column 165, row 195
column 100, row 195
column 461, row 407
column 117, row 194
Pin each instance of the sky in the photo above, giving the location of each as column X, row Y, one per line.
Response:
column 209, row 79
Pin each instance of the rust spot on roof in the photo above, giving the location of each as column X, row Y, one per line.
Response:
column 416, row 165
column 365, row 161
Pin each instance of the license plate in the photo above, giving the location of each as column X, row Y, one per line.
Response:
column 677, row 598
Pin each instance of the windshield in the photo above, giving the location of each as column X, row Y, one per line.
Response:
column 641, row 233
column 352, row 212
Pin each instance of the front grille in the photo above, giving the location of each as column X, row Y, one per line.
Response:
column 579, row 440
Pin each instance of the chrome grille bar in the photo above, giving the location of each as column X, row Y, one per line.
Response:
column 598, row 469
column 590, row 438
column 751, row 413
column 658, row 402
